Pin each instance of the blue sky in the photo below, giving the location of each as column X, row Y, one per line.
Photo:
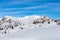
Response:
column 20, row 8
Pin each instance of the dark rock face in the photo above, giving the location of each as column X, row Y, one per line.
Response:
column 48, row 22
column 12, row 27
column 42, row 20
column 35, row 22
column 58, row 23
column 55, row 20
column 1, row 28
column 3, row 19
column 21, row 28
column 5, row 32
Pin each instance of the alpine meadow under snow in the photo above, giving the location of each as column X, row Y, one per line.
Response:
column 29, row 28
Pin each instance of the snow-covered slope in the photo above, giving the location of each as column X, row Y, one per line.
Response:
column 47, row 32
column 29, row 28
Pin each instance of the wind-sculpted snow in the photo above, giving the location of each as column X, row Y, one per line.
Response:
column 10, row 24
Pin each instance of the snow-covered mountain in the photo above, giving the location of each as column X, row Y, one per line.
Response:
column 29, row 28
column 9, row 22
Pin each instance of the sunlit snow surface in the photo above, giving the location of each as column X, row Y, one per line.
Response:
column 52, row 32
column 45, row 32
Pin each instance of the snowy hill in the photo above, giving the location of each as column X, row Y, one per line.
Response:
column 29, row 28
